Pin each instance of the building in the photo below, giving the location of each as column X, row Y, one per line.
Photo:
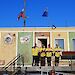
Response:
column 14, row 41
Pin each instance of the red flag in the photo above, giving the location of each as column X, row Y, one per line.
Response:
column 21, row 15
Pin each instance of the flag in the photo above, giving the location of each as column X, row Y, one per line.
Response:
column 21, row 14
column 45, row 13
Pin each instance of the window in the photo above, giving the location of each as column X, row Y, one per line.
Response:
column 60, row 43
column 73, row 40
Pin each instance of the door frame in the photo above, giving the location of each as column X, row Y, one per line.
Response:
column 42, row 37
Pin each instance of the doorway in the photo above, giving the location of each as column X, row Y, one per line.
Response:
column 42, row 41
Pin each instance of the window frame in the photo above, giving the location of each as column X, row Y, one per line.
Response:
column 60, row 39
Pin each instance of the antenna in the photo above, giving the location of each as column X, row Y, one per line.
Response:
column 53, row 27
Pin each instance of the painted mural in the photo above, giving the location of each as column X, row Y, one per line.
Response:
column 25, row 43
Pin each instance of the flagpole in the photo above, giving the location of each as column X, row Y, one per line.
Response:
column 24, row 13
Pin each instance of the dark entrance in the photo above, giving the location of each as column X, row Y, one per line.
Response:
column 44, row 42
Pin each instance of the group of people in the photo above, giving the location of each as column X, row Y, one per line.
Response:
column 40, row 54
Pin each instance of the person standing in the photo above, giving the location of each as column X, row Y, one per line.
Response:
column 57, row 56
column 35, row 56
column 42, row 55
column 49, row 55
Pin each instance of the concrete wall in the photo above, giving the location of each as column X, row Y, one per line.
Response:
column 7, row 51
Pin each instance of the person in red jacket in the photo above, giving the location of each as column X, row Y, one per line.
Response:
column 52, row 72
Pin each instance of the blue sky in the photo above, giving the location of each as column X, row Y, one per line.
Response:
column 61, row 13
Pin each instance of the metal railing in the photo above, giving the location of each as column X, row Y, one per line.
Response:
column 12, row 62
